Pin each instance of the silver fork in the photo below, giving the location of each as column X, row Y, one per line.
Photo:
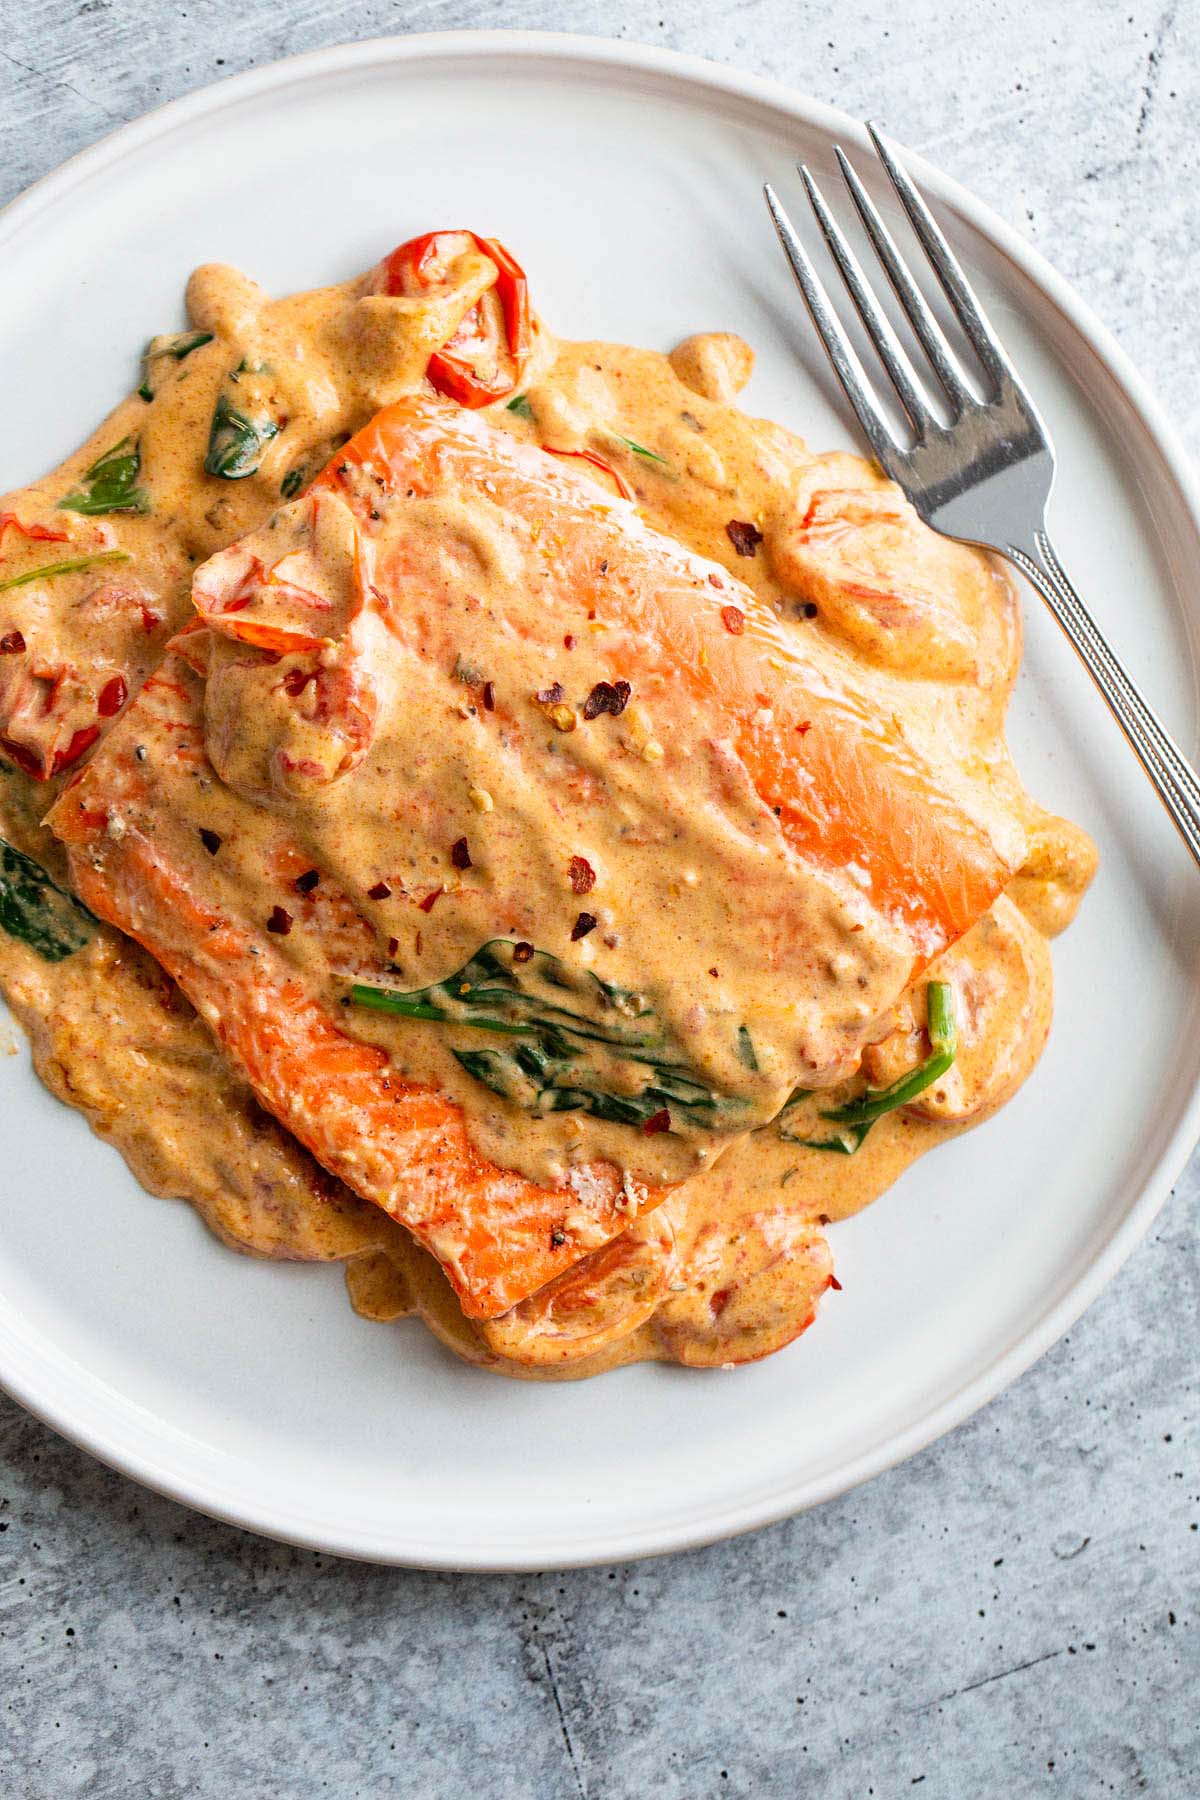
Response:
column 985, row 477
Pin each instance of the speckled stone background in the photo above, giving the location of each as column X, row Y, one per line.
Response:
column 1015, row 1612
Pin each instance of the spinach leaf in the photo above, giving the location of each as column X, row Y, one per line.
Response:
column 584, row 1044
column 110, row 485
column 519, row 404
column 857, row 1116
column 292, row 482
column 236, row 441
column 36, row 910
column 179, row 345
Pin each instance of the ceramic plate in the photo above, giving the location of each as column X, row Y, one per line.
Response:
column 627, row 180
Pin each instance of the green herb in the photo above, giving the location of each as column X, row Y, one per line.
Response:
column 292, row 482
column 110, row 485
column 844, row 1143
column 787, row 1175
column 68, row 567
column 641, row 450
column 585, row 1045
column 36, row 910
column 857, row 1116
column 236, row 442
column 179, row 345
column 519, row 404
column 745, row 1048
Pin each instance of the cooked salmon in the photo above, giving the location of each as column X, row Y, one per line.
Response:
column 288, row 812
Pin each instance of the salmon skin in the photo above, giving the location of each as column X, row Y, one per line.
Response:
column 924, row 849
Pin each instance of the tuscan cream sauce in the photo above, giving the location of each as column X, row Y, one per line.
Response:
column 732, row 1264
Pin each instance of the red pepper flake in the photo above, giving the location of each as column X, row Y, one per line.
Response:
column 607, row 697
column 715, row 973
column 744, row 536
column 113, row 696
column 211, row 840
column 11, row 644
column 584, row 923
column 733, row 619
column 460, row 854
column 296, row 680
column 659, row 1121
column 715, row 580
column 280, row 921
column 807, row 726
column 150, row 620
column 304, row 884
column 489, row 696
column 835, row 1284
column 393, row 946
column 551, row 696
column 583, row 876
column 429, row 902
column 522, row 952
column 719, row 1301
column 568, row 642
column 381, row 891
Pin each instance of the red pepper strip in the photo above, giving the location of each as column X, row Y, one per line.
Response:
column 42, row 534
column 589, row 456
column 419, row 266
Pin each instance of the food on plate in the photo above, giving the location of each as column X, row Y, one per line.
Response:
column 520, row 825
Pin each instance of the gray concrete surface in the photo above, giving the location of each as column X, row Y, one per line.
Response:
column 1013, row 1613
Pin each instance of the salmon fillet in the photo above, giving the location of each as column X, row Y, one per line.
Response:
column 298, row 622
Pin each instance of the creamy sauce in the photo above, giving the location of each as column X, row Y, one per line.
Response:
column 733, row 1263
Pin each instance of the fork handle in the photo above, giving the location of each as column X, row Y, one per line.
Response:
column 1174, row 779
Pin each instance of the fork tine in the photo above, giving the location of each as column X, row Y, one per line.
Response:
column 883, row 339
column 829, row 329
column 947, row 268
column 932, row 338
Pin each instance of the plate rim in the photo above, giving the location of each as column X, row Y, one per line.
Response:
column 33, row 1387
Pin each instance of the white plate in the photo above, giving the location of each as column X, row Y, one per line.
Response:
column 627, row 181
